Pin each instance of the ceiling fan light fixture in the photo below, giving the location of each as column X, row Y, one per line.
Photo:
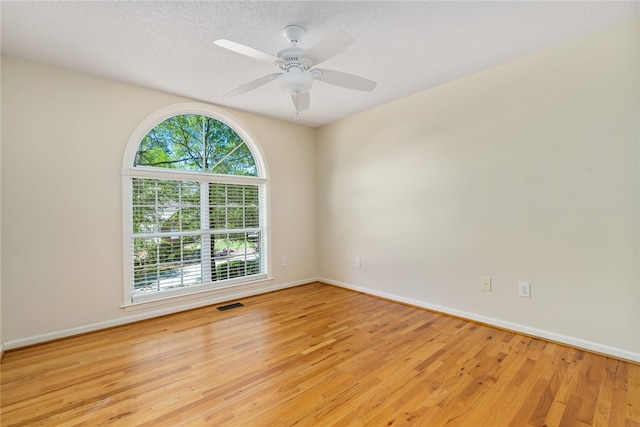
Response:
column 296, row 81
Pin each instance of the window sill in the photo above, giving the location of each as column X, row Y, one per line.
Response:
column 203, row 296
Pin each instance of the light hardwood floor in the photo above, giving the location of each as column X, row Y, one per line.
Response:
column 314, row 355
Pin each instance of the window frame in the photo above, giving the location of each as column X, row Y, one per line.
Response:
column 129, row 171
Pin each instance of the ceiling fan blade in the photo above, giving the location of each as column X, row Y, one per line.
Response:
column 328, row 47
column 302, row 101
column 252, row 85
column 349, row 81
column 245, row 50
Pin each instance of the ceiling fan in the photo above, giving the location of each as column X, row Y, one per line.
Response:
column 295, row 63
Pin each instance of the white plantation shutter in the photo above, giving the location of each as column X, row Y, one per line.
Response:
column 166, row 249
column 174, row 245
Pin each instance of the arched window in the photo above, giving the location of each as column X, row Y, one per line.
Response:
column 195, row 194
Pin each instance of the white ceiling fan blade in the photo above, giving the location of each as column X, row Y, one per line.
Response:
column 302, row 101
column 349, row 81
column 252, row 85
column 329, row 47
column 245, row 50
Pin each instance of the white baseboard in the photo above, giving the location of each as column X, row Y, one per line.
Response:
column 547, row 335
column 1, row 351
column 226, row 294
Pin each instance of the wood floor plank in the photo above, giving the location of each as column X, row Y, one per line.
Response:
column 314, row 355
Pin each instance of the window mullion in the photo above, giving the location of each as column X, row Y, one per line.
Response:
column 180, row 239
column 205, row 166
column 142, row 172
column 205, row 239
column 227, row 156
column 157, row 216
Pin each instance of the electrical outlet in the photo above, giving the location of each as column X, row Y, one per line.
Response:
column 524, row 289
column 486, row 283
column 283, row 261
column 358, row 263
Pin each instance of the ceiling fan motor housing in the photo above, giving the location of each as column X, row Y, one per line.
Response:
column 296, row 78
column 292, row 57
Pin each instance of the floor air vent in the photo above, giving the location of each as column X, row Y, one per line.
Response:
column 230, row 306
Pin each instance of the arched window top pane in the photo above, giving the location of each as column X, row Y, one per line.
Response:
column 195, row 142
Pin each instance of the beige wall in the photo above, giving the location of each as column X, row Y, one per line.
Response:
column 525, row 172
column 63, row 140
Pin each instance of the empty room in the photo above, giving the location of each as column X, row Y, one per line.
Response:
column 320, row 213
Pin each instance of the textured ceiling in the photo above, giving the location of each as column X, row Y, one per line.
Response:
column 406, row 47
